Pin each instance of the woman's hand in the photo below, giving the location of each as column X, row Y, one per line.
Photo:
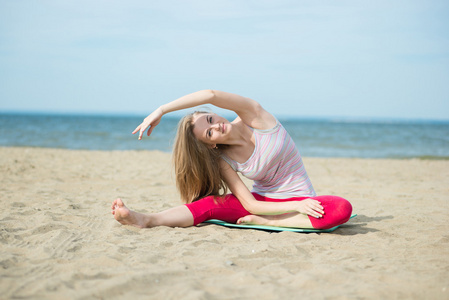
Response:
column 151, row 121
column 311, row 207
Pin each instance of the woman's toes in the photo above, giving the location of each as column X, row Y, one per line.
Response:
column 244, row 220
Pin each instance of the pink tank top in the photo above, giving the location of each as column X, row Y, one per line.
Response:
column 275, row 166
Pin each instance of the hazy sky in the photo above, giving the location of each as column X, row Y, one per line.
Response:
column 387, row 59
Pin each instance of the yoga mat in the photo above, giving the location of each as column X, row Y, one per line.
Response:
column 272, row 228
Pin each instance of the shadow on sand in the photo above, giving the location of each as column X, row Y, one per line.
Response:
column 358, row 225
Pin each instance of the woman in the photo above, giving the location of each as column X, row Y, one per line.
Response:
column 209, row 151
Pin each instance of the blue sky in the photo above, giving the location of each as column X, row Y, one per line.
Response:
column 351, row 59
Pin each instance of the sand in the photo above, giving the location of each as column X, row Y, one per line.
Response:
column 60, row 241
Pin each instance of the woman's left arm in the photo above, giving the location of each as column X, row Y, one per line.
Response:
column 250, row 111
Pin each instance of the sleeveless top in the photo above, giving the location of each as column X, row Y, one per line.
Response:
column 275, row 166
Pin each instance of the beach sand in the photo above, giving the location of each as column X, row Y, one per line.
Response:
column 60, row 241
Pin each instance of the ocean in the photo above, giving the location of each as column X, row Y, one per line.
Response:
column 314, row 137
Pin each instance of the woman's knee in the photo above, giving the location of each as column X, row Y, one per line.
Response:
column 337, row 211
column 344, row 208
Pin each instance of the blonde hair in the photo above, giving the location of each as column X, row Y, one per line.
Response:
column 196, row 164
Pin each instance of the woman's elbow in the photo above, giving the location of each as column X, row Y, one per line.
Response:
column 252, row 209
column 209, row 94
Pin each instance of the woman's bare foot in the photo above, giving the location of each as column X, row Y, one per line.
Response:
column 128, row 217
column 294, row 220
column 253, row 219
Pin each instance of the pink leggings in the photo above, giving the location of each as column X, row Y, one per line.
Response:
column 336, row 209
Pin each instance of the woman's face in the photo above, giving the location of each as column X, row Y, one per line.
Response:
column 211, row 129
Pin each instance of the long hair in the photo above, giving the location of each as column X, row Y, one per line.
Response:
column 196, row 164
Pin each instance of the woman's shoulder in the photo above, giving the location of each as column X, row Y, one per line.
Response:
column 265, row 122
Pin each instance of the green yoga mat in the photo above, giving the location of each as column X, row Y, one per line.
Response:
column 271, row 228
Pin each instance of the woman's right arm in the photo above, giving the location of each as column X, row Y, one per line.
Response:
column 250, row 111
column 238, row 188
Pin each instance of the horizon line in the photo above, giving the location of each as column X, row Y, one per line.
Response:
column 284, row 117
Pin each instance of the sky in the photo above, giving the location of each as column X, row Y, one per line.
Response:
column 331, row 59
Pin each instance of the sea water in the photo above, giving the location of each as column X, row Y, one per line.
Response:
column 314, row 137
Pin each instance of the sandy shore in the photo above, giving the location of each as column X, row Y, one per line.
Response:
column 60, row 241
